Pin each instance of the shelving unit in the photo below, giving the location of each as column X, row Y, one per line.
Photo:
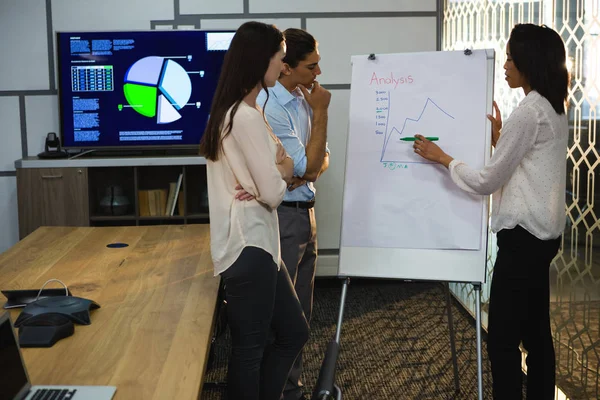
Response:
column 70, row 192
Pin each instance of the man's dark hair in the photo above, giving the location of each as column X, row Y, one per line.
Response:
column 299, row 45
column 539, row 54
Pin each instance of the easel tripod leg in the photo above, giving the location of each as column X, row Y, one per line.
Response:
column 325, row 388
column 338, row 330
column 452, row 337
column 477, row 287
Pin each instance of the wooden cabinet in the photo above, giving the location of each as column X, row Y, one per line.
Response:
column 76, row 196
column 52, row 197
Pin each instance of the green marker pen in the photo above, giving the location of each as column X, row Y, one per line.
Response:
column 412, row 139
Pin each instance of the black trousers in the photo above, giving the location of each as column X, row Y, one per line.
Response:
column 520, row 312
column 260, row 299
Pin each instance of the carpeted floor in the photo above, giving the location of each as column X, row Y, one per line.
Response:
column 394, row 343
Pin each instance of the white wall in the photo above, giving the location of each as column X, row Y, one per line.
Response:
column 28, row 99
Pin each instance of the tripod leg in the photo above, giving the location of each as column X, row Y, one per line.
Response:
column 477, row 287
column 338, row 331
column 452, row 337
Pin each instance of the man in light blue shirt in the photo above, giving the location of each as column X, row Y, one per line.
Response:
column 299, row 119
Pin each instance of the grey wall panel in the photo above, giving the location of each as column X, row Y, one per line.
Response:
column 340, row 5
column 91, row 15
column 9, row 228
column 23, row 47
column 281, row 23
column 42, row 117
column 10, row 150
column 211, row 6
column 341, row 38
column 331, row 184
column 164, row 27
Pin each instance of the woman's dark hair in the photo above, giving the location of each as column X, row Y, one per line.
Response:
column 299, row 44
column 244, row 66
column 539, row 54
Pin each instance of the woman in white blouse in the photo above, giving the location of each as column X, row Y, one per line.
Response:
column 526, row 175
column 247, row 170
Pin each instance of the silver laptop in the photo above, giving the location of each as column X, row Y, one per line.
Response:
column 14, row 380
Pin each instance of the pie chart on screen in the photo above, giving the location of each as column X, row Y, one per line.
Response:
column 157, row 87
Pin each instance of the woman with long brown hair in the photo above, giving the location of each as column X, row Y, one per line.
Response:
column 248, row 170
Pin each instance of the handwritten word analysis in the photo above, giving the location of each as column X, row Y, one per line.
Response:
column 390, row 80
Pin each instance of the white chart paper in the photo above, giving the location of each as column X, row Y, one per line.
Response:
column 392, row 197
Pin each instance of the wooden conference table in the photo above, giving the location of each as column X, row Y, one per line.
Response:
column 151, row 336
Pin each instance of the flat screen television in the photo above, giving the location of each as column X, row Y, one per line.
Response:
column 137, row 90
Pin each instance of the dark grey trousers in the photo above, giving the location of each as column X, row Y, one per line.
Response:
column 298, row 232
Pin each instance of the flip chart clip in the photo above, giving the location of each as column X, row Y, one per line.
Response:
column 372, row 57
column 468, row 52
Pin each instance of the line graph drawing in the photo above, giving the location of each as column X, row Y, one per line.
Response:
column 428, row 123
